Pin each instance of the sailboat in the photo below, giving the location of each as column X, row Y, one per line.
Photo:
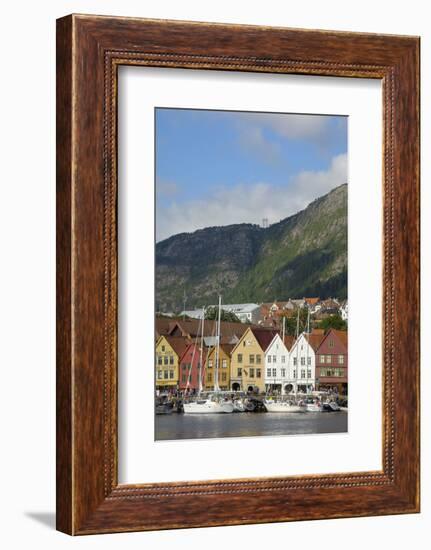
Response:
column 213, row 404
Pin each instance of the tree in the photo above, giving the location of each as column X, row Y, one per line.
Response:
column 211, row 314
column 333, row 321
column 291, row 322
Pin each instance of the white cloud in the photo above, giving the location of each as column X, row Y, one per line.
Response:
column 250, row 203
column 166, row 188
column 252, row 140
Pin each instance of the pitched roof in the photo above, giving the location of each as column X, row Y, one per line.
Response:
column 315, row 338
column 163, row 325
column 192, row 327
column 289, row 341
column 341, row 335
column 227, row 348
column 264, row 336
column 312, row 301
column 178, row 344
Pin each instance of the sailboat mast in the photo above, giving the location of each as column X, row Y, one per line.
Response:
column 308, row 343
column 216, row 385
column 297, row 348
column 201, row 350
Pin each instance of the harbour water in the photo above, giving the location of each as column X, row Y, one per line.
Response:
column 203, row 426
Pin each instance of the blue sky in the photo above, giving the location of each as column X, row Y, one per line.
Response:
column 223, row 167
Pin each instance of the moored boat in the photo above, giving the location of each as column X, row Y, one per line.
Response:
column 283, row 407
column 208, row 406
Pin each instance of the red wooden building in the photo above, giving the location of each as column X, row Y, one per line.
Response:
column 189, row 368
column 332, row 362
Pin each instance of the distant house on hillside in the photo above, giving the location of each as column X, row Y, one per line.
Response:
column 246, row 313
column 344, row 310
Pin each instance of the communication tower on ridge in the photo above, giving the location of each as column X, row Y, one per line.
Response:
column 265, row 223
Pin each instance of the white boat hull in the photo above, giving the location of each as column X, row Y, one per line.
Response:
column 313, row 407
column 283, row 407
column 208, row 407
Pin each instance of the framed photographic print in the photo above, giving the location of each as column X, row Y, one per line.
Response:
column 237, row 274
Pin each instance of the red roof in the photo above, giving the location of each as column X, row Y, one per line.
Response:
column 315, row 338
column 264, row 336
column 289, row 341
column 178, row 344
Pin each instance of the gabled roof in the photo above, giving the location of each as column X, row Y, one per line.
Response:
column 289, row 341
column 340, row 334
column 192, row 328
column 178, row 344
column 264, row 336
column 227, row 348
column 315, row 338
column 312, row 301
column 163, row 325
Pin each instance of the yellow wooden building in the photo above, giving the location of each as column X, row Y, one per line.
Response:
column 169, row 350
column 223, row 372
column 248, row 360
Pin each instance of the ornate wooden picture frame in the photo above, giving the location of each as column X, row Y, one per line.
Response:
column 89, row 51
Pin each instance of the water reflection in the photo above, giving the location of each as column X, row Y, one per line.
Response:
column 200, row 426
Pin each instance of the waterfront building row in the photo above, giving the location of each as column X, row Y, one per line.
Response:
column 258, row 360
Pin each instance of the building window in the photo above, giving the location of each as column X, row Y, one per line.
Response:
column 308, row 360
column 171, row 360
column 295, row 361
column 258, row 373
column 223, row 376
column 302, row 373
column 166, row 360
column 251, row 373
column 251, row 359
column 268, row 373
column 331, row 343
column 309, row 373
column 283, row 358
column 239, row 372
column 283, row 373
column 165, row 374
column 159, row 360
column 274, row 359
column 224, row 363
column 159, row 374
column 274, row 372
column 269, row 358
column 329, row 359
column 163, row 348
column 239, row 357
column 322, row 358
column 184, row 378
column 341, row 359
column 302, row 360
column 258, row 359
column 294, row 373
column 210, row 364
column 171, row 374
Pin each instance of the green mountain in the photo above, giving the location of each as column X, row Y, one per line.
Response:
column 302, row 255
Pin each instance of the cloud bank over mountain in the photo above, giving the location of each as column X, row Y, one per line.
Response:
column 250, row 203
